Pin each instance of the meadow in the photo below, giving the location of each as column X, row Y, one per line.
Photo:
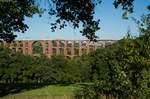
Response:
column 38, row 91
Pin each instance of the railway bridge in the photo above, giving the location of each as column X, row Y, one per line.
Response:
column 68, row 48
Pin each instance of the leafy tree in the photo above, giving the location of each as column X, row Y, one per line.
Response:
column 12, row 17
column 80, row 66
column 59, row 69
column 84, row 66
column 122, row 69
column 4, row 62
column 41, row 74
column 82, row 11
column 143, row 23
column 19, row 65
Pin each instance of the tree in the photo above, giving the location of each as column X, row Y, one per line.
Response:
column 4, row 62
column 12, row 16
column 72, row 11
column 59, row 68
column 143, row 23
column 82, row 11
column 80, row 66
column 123, row 69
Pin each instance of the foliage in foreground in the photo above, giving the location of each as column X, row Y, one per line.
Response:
column 123, row 69
column 12, row 16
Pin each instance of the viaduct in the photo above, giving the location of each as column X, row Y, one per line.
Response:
column 68, row 48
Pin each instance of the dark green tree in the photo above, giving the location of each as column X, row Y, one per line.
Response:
column 59, row 68
column 12, row 16
column 4, row 62
column 125, row 66
column 81, row 68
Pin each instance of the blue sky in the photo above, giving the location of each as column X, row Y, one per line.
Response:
column 112, row 25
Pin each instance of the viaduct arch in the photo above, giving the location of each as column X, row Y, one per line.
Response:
column 68, row 48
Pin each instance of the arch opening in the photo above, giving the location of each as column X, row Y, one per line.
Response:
column 61, row 43
column 91, row 44
column 100, row 43
column 54, row 51
column 108, row 43
column 37, row 48
column 69, row 44
column 76, row 51
column 84, row 43
column 76, row 44
column 20, row 44
column 84, row 51
column 61, row 51
column 54, row 43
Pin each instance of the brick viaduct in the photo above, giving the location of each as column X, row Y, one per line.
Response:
column 68, row 48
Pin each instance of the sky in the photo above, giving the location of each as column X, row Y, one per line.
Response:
column 111, row 23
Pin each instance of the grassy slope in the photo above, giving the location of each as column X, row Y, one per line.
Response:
column 46, row 92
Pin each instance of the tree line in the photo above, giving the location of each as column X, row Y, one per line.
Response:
column 17, row 67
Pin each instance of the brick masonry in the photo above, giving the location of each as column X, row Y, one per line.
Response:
column 69, row 48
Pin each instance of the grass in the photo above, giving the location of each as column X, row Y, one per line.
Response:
column 52, row 91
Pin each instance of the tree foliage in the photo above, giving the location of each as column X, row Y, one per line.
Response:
column 77, row 12
column 81, row 13
column 12, row 17
column 123, row 69
column 19, row 68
